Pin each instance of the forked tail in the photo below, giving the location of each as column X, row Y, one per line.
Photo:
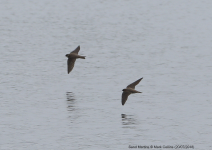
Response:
column 83, row 57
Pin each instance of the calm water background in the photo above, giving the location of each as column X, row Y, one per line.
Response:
column 169, row 43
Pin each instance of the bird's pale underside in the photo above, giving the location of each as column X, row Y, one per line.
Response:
column 72, row 58
column 130, row 89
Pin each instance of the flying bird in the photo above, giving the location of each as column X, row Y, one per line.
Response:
column 72, row 58
column 130, row 89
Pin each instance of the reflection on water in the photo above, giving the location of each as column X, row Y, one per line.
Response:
column 128, row 121
column 71, row 106
column 70, row 101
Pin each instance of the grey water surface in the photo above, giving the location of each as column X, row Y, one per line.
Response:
column 168, row 43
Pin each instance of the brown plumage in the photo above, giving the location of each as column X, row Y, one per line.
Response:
column 130, row 89
column 72, row 58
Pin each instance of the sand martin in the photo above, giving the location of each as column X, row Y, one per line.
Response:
column 72, row 58
column 130, row 89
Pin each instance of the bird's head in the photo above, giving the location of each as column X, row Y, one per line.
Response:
column 66, row 55
column 124, row 90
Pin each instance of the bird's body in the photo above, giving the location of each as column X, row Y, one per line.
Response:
column 73, row 55
column 130, row 89
column 72, row 58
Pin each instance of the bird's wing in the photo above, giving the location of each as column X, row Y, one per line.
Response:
column 125, row 95
column 132, row 85
column 76, row 50
column 70, row 64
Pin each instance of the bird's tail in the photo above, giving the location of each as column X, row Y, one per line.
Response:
column 82, row 57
